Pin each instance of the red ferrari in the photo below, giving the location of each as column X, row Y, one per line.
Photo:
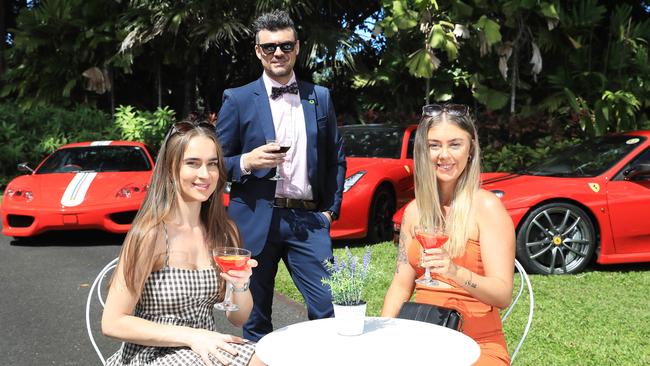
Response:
column 379, row 179
column 86, row 185
column 590, row 201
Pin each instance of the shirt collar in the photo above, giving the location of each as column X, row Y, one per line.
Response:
column 269, row 83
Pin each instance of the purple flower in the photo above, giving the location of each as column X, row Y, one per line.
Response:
column 335, row 266
column 353, row 265
column 367, row 256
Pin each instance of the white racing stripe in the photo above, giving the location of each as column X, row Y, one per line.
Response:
column 76, row 192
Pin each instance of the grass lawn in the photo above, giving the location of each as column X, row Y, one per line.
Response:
column 599, row 317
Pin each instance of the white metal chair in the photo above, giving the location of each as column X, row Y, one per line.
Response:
column 97, row 284
column 523, row 279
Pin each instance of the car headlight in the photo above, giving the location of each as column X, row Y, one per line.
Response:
column 19, row 194
column 497, row 192
column 131, row 189
column 352, row 180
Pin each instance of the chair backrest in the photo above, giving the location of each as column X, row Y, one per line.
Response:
column 97, row 285
column 523, row 280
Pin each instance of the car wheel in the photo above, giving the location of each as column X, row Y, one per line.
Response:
column 380, row 220
column 556, row 238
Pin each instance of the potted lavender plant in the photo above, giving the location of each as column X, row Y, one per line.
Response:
column 347, row 280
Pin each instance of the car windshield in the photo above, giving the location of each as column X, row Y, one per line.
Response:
column 105, row 158
column 372, row 141
column 587, row 159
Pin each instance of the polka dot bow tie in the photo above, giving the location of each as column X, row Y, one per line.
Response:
column 277, row 92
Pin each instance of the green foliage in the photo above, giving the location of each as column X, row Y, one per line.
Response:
column 145, row 126
column 30, row 135
column 516, row 157
column 584, row 60
column 348, row 277
column 54, row 43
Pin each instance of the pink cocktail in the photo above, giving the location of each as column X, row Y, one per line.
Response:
column 429, row 238
column 230, row 258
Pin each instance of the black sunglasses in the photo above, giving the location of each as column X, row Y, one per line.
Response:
column 269, row 48
column 434, row 110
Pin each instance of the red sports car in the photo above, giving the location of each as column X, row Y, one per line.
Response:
column 592, row 200
column 86, row 185
column 379, row 179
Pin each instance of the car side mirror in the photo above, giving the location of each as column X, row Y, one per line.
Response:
column 23, row 167
column 637, row 172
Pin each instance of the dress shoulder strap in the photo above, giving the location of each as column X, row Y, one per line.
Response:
column 166, row 246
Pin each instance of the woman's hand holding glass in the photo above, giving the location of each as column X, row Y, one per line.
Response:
column 240, row 278
column 236, row 269
column 429, row 237
column 437, row 260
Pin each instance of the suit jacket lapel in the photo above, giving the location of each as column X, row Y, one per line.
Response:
column 309, row 102
column 264, row 110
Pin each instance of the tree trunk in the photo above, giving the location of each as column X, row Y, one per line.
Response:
column 189, row 90
column 111, row 77
column 159, row 84
column 426, row 98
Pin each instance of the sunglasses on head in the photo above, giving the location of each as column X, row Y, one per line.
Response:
column 269, row 48
column 183, row 127
column 434, row 110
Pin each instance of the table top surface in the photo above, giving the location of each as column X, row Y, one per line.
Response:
column 385, row 341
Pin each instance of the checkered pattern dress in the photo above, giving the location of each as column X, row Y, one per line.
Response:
column 179, row 297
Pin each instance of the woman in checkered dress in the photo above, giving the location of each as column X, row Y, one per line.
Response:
column 163, row 291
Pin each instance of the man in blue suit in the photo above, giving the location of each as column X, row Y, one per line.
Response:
column 289, row 218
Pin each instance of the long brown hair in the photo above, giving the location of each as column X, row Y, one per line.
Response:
column 137, row 256
column 427, row 195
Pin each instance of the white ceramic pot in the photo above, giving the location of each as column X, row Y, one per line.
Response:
column 349, row 319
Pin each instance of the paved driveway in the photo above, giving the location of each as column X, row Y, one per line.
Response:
column 44, row 284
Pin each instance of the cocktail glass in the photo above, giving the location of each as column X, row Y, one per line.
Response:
column 230, row 258
column 429, row 237
column 285, row 145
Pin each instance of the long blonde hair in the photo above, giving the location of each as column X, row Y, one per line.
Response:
column 137, row 255
column 427, row 195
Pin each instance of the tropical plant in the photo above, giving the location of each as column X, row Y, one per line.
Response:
column 603, row 79
column 60, row 52
column 140, row 125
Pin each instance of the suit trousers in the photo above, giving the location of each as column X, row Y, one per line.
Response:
column 301, row 239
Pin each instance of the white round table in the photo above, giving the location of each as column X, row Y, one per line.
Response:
column 385, row 341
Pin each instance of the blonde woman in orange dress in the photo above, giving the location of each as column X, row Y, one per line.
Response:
column 474, row 269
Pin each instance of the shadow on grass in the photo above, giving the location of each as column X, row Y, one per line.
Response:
column 623, row 267
column 352, row 243
column 70, row 238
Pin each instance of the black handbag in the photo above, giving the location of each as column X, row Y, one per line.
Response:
column 439, row 315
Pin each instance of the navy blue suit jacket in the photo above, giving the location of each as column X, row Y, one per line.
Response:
column 245, row 123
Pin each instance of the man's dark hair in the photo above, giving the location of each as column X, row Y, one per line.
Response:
column 273, row 21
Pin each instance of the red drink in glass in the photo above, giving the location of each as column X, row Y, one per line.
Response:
column 228, row 262
column 429, row 241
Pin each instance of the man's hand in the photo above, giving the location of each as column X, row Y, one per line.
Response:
column 327, row 216
column 265, row 156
